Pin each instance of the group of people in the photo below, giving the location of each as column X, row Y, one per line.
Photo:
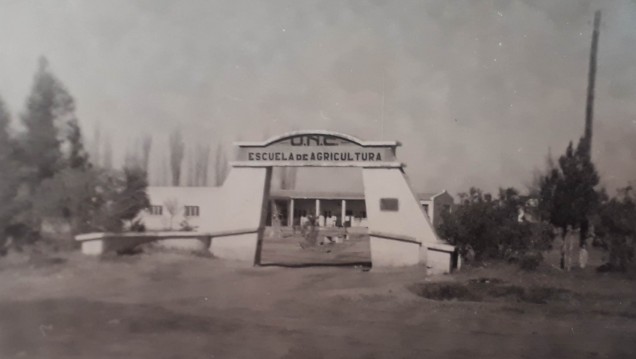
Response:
column 570, row 237
column 321, row 220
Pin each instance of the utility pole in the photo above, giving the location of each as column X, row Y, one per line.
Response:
column 591, row 81
column 382, row 105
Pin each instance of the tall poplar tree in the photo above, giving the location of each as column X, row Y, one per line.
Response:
column 177, row 152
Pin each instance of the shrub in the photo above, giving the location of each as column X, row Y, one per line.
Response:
column 530, row 261
column 445, row 291
column 490, row 228
column 616, row 228
column 92, row 200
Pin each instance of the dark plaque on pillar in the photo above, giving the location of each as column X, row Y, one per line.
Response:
column 389, row 204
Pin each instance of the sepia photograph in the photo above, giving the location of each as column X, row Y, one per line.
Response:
column 317, row 179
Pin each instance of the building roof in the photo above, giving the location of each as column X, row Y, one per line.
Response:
column 194, row 192
column 326, row 195
column 300, row 194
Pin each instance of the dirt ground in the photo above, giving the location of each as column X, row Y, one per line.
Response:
column 176, row 305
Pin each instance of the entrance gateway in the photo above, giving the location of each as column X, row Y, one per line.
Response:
column 399, row 231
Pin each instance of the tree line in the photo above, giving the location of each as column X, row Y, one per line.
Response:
column 564, row 200
column 47, row 175
column 50, row 178
column 181, row 166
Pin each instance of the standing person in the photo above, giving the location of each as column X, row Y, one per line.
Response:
column 583, row 256
column 570, row 237
column 583, row 253
column 561, row 234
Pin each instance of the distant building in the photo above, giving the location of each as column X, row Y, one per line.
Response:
column 188, row 207
column 435, row 204
column 529, row 210
column 179, row 207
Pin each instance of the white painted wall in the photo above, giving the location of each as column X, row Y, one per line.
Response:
column 206, row 198
column 409, row 220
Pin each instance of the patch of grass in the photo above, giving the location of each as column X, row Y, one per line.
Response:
column 485, row 289
column 41, row 261
column 543, row 295
column 485, row 280
column 505, row 291
column 513, row 310
column 445, row 291
column 530, row 261
column 114, row 257
column 624, row 314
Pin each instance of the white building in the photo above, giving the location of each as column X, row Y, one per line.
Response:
column 175, row 208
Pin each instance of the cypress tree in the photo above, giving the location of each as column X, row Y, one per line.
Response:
column 40, row 148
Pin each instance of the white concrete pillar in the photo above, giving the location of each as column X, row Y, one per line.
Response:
column 343, row 215
column 244, row 195
column 290, row 208
column 406, row 219
column 318, row 211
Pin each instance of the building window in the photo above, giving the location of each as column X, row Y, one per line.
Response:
column 389, row 204
column 156, row 210
column 191, row 211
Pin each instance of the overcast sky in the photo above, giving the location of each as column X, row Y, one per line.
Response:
column 477, row 91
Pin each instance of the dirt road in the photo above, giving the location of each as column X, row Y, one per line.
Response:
column 166, row 305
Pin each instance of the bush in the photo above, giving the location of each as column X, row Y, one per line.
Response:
column 92, row 200
column 616, row 229
column 489, row 290
column 445, row 291
column 490, row 229
column 530, row 261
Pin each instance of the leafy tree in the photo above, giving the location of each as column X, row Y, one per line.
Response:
column 567, row 194
column 133, row 197
column 616, row 227
column 93, row 199
column 96, row 146
column 77, row 157
column 490, row 228
column 9, row 176
column 5, row 138
column 77, row 196
column 48, row 107
column 52, row 139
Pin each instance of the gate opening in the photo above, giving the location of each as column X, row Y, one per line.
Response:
column 326, row 226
